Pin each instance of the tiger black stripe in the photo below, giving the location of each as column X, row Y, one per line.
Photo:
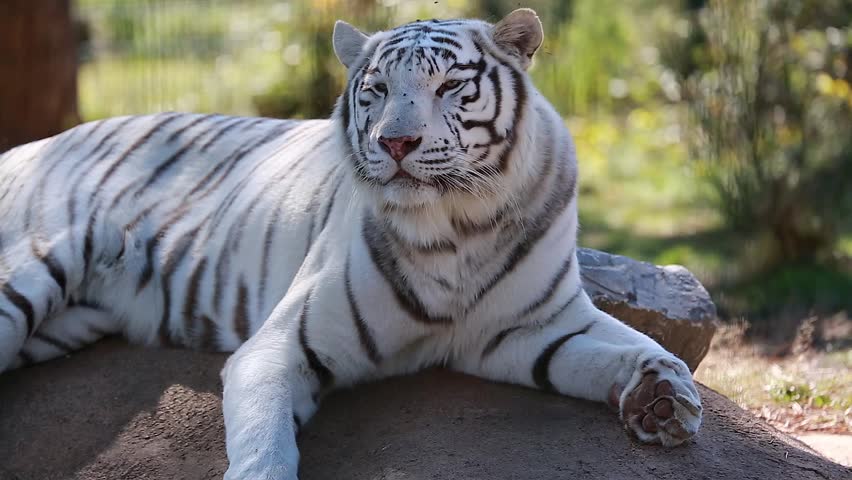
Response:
column 215, row 137
column 495, row 138
column 163, row 167
column 555, row 315
column 54, row 268
column 22, row 303
column 268, row 236
column 559, row 201
column 327, row 213
column 364, row 335
column 89, row 241
column 314, row 205
column 134, row 147
column 85, row 169
column 153, row 242
column 467, row 228
column 324, row 375
column 81, row 136
column 548, row 293
column 170, row 264
column 109, row 135
column 37, row 195
column 237, row 229
column 221, row 164
column 158, row 171
column 497, row 340
column 518, row 84
column 190, row 304
column 6, row 315
column 538, row 325
column 272, row 183
column 209, row 335
column 219, row 280
column 177, row 133
column 230, row 199
column 442, row 246
column 548, row 164
column 541, row 368
column 241, row 312
column 55, row 342
column 386, row 264
column 233, row 160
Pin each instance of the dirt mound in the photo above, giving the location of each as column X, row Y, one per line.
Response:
column 118, row 412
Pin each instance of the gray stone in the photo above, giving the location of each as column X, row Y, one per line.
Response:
column 666, row 303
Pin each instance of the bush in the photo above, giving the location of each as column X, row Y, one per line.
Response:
column 768, row 86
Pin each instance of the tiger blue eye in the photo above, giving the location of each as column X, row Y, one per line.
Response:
column 381, row 88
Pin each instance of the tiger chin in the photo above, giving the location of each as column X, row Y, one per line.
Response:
column 432, row 220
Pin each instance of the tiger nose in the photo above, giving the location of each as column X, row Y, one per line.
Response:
column 399, row 147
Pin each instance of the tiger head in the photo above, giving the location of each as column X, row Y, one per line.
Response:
column 434, row 109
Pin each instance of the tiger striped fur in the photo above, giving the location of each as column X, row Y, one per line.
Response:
column 431, row 221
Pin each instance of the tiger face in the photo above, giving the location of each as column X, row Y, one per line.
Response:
column 434, row 108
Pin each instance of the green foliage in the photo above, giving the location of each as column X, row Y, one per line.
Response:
column 768, row 87
column 811, row 394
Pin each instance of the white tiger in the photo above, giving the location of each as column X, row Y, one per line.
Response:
column 431, row 221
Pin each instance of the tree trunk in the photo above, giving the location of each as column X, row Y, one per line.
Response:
column 38, row 70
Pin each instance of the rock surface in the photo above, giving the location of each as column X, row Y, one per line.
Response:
column 114, row 412
column 666, row 303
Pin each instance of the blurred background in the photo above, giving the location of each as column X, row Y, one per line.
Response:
column 713, row 134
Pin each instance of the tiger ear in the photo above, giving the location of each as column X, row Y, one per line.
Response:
column 348, row 42
column 520, row 34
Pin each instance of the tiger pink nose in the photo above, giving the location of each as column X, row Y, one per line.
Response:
column 399, row 147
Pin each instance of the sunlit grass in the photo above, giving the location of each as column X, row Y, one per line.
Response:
column 112, row 87
column 808, row 391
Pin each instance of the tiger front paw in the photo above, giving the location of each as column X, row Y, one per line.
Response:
column 660, row 404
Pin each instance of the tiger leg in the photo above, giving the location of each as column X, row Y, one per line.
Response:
column 32, row 289
column 69, row 330
column 266, row 397
column 274, row 381
column 588, row 354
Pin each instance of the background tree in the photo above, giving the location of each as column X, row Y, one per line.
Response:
column 38, row 70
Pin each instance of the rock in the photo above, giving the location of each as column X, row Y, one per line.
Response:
column 115, row 412
column 666, row 303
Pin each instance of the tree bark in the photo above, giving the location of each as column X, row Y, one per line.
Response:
column 38, row 70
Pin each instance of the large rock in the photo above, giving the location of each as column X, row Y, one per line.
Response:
column 115, row 412
column 666, row 303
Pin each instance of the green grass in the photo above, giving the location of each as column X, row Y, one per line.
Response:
column 817, row 380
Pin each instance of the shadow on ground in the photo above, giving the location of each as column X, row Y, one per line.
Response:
column 117, row 412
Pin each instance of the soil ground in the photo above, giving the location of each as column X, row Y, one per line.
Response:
column 118, row 412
